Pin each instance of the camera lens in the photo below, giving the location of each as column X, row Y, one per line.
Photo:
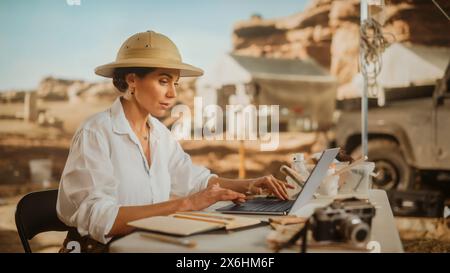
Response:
column 361, row 235
column 355, row 230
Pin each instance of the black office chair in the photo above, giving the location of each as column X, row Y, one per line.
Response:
column 36, row 213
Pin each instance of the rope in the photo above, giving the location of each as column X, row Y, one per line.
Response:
column 373, row 43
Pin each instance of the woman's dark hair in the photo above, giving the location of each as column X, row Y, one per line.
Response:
column 120, row 73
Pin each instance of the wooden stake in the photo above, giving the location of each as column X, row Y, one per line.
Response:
column 241, row 159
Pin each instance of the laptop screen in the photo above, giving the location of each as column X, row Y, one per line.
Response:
column 315, row 179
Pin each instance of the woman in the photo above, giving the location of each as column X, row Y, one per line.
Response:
column 123, row 163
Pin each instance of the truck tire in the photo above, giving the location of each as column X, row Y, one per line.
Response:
column 394, row 171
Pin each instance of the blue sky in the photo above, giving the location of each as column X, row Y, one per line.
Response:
column 39, row 38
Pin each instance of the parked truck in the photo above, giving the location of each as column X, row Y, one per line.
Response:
column 408, row 138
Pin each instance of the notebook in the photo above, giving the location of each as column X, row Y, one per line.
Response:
column 190, row 223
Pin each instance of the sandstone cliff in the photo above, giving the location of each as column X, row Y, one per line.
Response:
column 328, row 31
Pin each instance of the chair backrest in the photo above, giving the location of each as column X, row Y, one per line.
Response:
column 36, row 213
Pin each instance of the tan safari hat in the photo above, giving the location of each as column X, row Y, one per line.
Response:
column 149, row 49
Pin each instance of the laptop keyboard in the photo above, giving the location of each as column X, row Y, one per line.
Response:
column 264, row 205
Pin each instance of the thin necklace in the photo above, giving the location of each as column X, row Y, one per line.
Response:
column 146, row 135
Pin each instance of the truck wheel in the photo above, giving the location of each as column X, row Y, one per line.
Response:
column 394, row 172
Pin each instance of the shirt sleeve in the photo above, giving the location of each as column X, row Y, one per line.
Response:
column 87, row 196
column 186, row 177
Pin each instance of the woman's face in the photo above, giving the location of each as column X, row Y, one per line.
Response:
column 156, row 92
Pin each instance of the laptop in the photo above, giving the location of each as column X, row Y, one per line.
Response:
column 275, row 206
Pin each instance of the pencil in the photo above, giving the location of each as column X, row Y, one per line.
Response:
column 201, row 214
column 201, row 219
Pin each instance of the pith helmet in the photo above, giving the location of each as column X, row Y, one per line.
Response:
column 149, row 49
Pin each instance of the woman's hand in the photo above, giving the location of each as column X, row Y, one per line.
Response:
column 269, row 184
column 212, row 194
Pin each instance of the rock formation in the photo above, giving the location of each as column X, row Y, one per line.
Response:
column 328, row 31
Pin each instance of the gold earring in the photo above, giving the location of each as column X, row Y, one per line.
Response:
column 132, row 91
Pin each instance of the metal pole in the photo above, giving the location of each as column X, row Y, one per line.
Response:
column 364, row 13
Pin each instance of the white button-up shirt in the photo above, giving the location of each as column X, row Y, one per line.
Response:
column 106, row 168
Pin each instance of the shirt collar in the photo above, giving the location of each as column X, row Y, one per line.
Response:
column 121, row 124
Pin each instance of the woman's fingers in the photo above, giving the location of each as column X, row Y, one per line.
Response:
column 280, row 187
column 288, row 185
column 239, row 201
column 236, row 197
column 228, row 195
column 283, row 189
column 285, row 185
column 273, row 186
column 268, row 182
